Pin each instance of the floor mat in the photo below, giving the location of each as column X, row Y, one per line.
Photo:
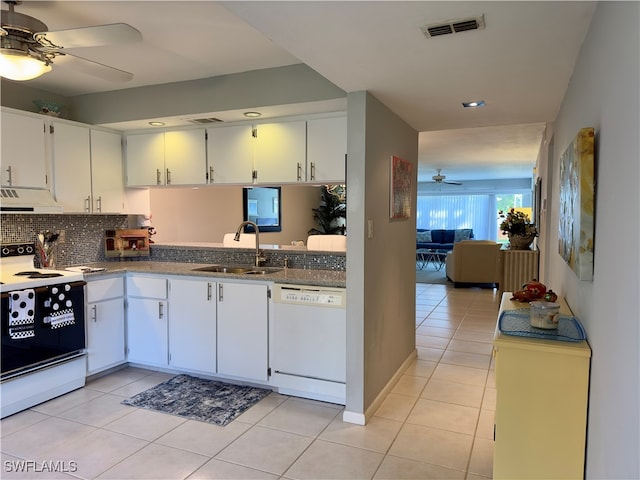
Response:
column 199, row 399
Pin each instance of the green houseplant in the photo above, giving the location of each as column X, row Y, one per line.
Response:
column 332, row 208
column 519, row 228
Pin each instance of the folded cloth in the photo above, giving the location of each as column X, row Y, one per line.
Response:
column 21, row 313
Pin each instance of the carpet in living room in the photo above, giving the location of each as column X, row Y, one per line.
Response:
column 429, row 274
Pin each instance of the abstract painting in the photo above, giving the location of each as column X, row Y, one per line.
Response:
column 401, row 191
column 577, row 201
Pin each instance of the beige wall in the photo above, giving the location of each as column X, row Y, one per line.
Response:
column 206, row 214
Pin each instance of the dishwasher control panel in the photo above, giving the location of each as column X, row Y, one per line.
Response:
column 310, row 296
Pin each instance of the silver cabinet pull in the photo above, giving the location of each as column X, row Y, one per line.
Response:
column 210, row 174
column 160, row 310
column 99, row 204
column 219, row 292
column 168, row 177
column 208, row 291
column 313, row 171
column 299, row 172
column 9, row 176
column 94, row 313
column 158, row 177
column 87, row 204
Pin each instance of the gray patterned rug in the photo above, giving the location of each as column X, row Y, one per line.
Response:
column 198, row 399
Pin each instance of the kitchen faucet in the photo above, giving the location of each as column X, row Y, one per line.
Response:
column 259, row 258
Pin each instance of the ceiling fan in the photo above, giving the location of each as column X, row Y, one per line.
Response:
column 27, row 48
column 439, row 178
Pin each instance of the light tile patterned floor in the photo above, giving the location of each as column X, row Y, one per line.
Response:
column 436, row 423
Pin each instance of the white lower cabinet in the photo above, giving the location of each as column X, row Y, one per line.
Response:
column 243, row 322
column 192, row 325
column 147, row 317
column 105, row 324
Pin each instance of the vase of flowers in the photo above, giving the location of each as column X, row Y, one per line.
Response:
column 519, row 228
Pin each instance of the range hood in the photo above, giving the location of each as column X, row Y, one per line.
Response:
column 28, row 200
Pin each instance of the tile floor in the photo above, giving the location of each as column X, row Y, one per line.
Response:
column 436, row 423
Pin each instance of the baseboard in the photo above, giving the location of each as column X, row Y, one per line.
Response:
column 362, row 418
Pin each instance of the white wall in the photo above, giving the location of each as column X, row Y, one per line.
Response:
column 604, row 94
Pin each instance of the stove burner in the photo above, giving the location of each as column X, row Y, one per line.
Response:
column 35, row 274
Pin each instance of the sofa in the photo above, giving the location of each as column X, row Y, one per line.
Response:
column 441, row 239
column 474, row 262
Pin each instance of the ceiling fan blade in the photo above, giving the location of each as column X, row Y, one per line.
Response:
column 95, row 36
column 452, row 183
column 96, row 69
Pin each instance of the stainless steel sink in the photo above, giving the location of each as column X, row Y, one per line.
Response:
column 236, row 269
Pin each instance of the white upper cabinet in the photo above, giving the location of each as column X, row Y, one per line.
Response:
column 169, row 158
column 230, row 154
column 326, row 149
column 185, row 157
column 24, row 161
column 280, row 152
column 71, row 146
column 87, row 169
column 107, row 179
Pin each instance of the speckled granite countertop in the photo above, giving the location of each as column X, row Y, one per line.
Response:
column 323, row 278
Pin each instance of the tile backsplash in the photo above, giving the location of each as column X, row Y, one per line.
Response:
column 83, row 235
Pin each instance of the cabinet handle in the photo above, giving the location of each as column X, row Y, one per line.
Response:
column 313, row 171
column 168, row 177
column 299, row 172
column 160, row 310
column 10, row 176
column 158, row 177
column 87, row 204
column 99, row 204
column 208, row 291
column 219, row 292
column 94, row 313
column 210, row 174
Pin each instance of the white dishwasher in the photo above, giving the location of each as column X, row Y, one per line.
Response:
column 308, row 341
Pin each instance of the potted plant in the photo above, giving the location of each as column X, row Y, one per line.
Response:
column 519, row 228
column 332, row 208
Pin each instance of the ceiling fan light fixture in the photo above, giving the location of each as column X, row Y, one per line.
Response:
column 252, row 114
column 20, row 65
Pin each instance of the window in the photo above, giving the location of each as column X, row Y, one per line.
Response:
column 262, row 207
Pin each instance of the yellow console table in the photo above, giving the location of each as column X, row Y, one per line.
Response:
column 541, row 404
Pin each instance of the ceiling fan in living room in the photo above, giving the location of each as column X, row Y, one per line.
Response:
column 28, row 48
column 439, row 178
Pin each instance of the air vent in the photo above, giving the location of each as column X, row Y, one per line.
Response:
column 453, row 26
column 204, row 121
column 9, row 193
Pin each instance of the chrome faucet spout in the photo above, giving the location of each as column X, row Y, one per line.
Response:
column 259, row 259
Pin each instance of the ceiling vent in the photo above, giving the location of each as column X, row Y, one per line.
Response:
column 453, row 26
column 204, row 121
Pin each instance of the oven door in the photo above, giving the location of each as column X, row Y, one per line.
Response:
column 48, row 344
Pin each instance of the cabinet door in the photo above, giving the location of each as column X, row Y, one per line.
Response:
column 145, row 159
column 242, row 330
column 147, row 336
column 185, row 157
column 105, row 335
column 72, row 167
column 107, row 180
column 192, row 325
column 280, row 152
column 326, row 149
column 230, row 154
column 23, row 151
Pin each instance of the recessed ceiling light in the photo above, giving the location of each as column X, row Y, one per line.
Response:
column 479, row 103
column 156, row 124
column 252, row 114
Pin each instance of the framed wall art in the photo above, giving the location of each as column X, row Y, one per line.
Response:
column 401, row 191
column 577, row 203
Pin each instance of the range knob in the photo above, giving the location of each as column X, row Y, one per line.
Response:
column 20, row 250
column 5, row 251
column 29, row 249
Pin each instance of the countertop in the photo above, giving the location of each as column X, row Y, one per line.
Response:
column 323, row 278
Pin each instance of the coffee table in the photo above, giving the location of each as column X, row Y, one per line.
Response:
column 426, row 255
